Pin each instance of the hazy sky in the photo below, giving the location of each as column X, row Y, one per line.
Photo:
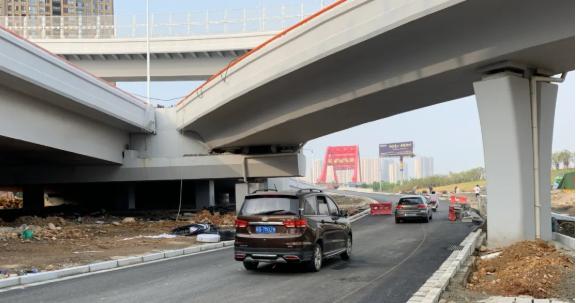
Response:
column 449, row 132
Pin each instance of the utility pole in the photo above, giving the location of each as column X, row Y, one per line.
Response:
column 148, row 51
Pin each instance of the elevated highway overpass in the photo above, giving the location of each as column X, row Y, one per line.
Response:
column 61, row 125
column 49, row 106
column 172, row 58
column 366, row 60
column 187, row 45
column 351, row 63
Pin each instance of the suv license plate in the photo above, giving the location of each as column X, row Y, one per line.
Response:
column 265, row 229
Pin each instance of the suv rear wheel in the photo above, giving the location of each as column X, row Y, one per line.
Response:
column 250, row 265
column 348, row 253
column 315, row 264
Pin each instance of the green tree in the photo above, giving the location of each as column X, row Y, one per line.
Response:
column 556, row 159
column 564, row 157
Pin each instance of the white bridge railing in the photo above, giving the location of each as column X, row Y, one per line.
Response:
column 182, row 24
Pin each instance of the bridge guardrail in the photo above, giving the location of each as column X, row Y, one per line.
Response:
column 181, row 24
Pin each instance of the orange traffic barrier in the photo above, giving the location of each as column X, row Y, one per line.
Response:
column 463, row 199
column 381, row 208
column 451, row 213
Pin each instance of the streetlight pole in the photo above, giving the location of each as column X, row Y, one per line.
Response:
column 148, row 51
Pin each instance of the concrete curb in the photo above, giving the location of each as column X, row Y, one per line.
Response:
column 564, row 240
column 107, row 265
column 359, row 215
column 431, row 290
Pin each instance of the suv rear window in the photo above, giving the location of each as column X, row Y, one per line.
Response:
column 410, row 201
column 270, row 205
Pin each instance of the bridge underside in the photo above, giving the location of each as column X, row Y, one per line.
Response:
column 163, row 67
column 432, row 59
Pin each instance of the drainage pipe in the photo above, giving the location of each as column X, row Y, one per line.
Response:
column 535, row 142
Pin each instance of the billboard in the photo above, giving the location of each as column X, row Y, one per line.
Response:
column 397, row 149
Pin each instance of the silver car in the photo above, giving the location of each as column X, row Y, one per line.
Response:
column 413, row 208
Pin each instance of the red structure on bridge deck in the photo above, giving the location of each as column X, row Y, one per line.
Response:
column 341, row 158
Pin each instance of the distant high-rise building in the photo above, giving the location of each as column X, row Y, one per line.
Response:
column 423, row 167
column 414, row 168
column 59, row 18
column 370, row 170
column 56, row 7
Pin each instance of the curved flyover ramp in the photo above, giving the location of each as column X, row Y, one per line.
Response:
column 359, row 61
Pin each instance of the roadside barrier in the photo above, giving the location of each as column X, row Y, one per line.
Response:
column 460, row 199
column 381, row 208
column 451, row 213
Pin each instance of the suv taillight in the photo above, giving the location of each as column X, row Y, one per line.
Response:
column 421, row 205
column 399, row 206
column 295, row 223
column 240, row 223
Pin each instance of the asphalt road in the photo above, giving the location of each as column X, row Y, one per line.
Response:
column 390, row 262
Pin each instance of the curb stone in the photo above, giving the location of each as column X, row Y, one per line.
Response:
column 432, row 289
column 103, row 265
column 107, row 265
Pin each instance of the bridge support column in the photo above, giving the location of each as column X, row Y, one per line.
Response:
column 205, row 196
column 506, row 120
column 33, row 197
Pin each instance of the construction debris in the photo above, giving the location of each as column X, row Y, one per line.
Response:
column 9, row 201
column 54, row 242
column 532, row 268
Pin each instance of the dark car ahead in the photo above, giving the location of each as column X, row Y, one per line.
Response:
column 413, row 208
column 301, row 227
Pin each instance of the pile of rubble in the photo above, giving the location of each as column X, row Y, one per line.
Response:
column 215, row 218
column 532, row 268
column 8, row 201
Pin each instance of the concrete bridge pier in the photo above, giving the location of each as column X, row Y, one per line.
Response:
column 33, row 197
column 205, row 194
column 504, row 106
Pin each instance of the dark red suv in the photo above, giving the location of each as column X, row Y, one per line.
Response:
column 303, row 226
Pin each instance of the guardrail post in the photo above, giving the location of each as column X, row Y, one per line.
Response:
column 80, row 26
column 189, row 21
column 62, row 26
column 207, row 22
column 43, row 31
column 97, row 26
column 262, row 21
column 152, row 24
column 244, row 20
column 226, row 21
column 25, row 29
column 133, row 26
column 282, row 16
column 170, row 24
column 115, row 26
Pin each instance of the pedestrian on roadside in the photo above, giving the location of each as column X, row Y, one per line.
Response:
column 477, row 191
column 456, row 189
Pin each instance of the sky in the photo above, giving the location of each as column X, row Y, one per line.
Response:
column 449, row 132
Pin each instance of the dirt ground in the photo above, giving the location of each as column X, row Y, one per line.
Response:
column 70, row 240
column 352, row 204
column 60, row 242
column 563, row 202
column 532, row 268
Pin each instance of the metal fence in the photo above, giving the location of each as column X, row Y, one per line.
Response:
column 209, row 22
